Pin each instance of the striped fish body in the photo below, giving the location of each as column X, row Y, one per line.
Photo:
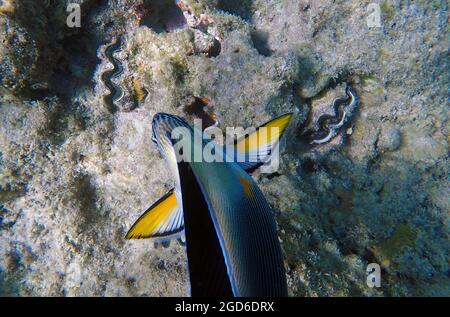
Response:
column 231, row 236
column 245, row 228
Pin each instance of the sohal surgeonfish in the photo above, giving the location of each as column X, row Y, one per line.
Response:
column 230, row 230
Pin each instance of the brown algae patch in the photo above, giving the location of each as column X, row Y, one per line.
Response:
column 403, row 236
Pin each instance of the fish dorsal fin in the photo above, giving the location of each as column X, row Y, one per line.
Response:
column 163, row 220
column 253, row 150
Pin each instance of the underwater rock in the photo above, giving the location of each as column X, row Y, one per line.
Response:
column 39, row 45
column 206, row 43
column 390, row 139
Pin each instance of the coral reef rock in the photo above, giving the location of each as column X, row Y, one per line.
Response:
column 76, row 169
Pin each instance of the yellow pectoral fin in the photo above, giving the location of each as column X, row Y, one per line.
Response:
column 255, row 149
column 265, row 135
column 276, row 127
column 163, row 218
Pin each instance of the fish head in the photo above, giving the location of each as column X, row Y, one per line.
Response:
column 166, row 131
column 163, row 126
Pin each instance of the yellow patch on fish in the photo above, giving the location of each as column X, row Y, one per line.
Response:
column 247, row 186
